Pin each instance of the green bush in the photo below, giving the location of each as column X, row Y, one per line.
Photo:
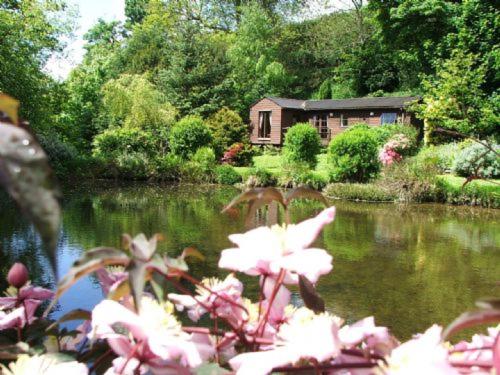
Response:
column 226, row 175
column 168, row 168
column 119, row 141
column 64, row 157
column 477, row 160
column 442, row 156
column 259, row 177
column 353, row 156
column 302, row 144
column 133, row 165
column 360, row 192
column 227, row 128
column 476, row 193
column 239, row 154
column 188, row 135
column 205, row 158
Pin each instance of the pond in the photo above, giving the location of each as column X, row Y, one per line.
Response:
column 409, row 266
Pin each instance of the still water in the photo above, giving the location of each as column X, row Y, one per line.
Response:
column 409, row 266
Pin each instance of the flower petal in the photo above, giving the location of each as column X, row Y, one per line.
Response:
column 310, row 263
column 300, row 236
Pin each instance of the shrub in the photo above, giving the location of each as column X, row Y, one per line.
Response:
column 360, row 192
column 119, row 141
column 352, row 156
column 477, row 160
column 442, row 156
column 188, row 135
column 302, row 144
column 451, row 189
column 205, row 158
column 226, row 175
column 133, row 165
column 394, row 149
column 259, row 177
column 387, row 132
column 168, row 168
column 239, row 154
column 64, row 157
column 227, row 128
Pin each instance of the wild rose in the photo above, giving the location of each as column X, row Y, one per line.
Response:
column 152, row 339
column 424, row 354
column 18, row 275
column 292, row 345
column 43, row 365
column 266, row 251
column 222, row 299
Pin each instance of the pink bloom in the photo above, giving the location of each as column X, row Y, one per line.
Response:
column 216, row 302
column 18, row 275
column 424, row 354
column 265, row 251
column 19, row 310
column 372, row 337
column 154, row 340
column 110, row 280
column 292, row 345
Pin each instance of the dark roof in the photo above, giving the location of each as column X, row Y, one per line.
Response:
column 355, row 103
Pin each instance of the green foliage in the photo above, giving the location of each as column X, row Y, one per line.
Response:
column 188, row 135
column 302, row 144
column 133, row 102
column 239, row 154
column 301, row 175
column 476, row 193
column 352, row 156
column 133, row 165
column 260, row 177
column 478, row 161
column 370, row 192
column 119, row 141
column 226, row 175
column 168, row 168
column 386, row 132
column 455, row 100
column 205, row 158
column 227, row 128
column 441, row 156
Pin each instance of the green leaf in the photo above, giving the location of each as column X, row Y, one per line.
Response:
column 305, row 193
column 471, row 319
column 210, row 369
column 311, row 298
column 77, row 314
column 26, row 175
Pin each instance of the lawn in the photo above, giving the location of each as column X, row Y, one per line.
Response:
column 273, row 164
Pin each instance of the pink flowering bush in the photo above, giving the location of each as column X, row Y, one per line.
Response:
column 394, row 149
column 137, row 329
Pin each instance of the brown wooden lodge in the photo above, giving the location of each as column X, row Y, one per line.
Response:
column 271, row 117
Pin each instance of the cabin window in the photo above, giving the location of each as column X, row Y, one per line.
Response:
column 344, row 121
column 265, row 124
column 320, row 122
column 388, row 118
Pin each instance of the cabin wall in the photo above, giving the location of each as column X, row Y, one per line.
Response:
column 276, row 116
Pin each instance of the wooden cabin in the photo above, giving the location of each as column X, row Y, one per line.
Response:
column 271, row 117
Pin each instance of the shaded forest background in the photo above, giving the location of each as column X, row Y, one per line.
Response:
column 173, row 58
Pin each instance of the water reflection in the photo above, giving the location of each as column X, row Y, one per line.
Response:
column 408, row 266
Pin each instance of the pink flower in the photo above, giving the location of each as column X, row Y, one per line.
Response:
column 18, row 275
column 424, row 354
column 372, row 337
column 292, row 345
column 479, row 350
column 152, row 339
column 110, row 280
column 216, row 302
column 265, row 251
column 19, row 310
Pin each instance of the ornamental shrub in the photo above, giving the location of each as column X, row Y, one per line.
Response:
column 353, row 156
column 239, row 154
column 205, row 158
column 387, row 132
column 227, row 128
column 302, row 144
column 188, row 135
column 476, row 160
column 226, row 175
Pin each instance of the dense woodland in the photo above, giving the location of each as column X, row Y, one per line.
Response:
column 174, row 58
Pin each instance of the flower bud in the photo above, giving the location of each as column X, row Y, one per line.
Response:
column 18, row 275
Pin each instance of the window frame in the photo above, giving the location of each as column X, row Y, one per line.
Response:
column 320, row 122
column 342, row 119
column 261, row 133
column 388, row 123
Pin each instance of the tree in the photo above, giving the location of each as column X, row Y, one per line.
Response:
column 454, row 99
column 227, row 128
column 136, row 10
